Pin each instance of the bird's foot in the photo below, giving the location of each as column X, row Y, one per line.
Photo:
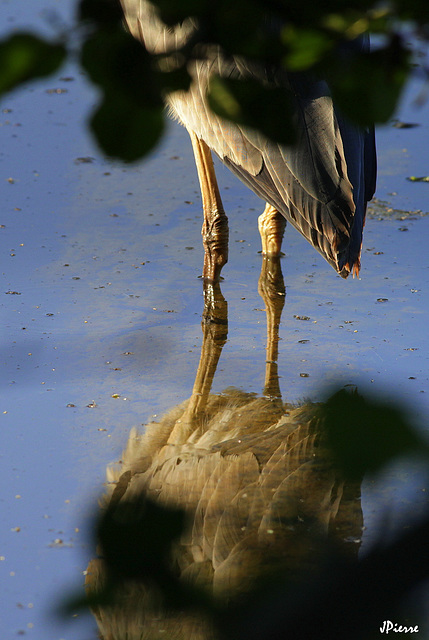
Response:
column 271, row 226
column 215, row 240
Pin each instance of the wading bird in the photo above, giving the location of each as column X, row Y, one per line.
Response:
column 253, row 476
column 321, row 184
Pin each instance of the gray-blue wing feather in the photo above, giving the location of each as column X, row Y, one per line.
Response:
column 321, row 184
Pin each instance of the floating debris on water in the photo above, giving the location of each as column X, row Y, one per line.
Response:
column 84, row 160
column 398, row 124
column 415, row 179
column 382, row 209
column 56, row 91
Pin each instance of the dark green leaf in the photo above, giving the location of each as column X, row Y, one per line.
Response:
column 136, row 537
column 365, row 434
column 25, row 57
column 126, row 130
column 249, row 103
column 174, row 80
column 102, row 12
column 173, row 12
column 242, row 27
column 305, row 47
column 129, row 121
column 121, row 65
column 367, row 87
column 417, row 10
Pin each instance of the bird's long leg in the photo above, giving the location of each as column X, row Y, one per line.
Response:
column 215, row 330
column 271, row 288
column 272, row 226
column 215, row 226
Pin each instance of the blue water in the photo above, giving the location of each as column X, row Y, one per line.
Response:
column 100, row 297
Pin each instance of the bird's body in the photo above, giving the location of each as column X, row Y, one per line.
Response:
column 321, row 184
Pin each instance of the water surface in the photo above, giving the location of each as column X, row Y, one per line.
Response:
column 101, row 307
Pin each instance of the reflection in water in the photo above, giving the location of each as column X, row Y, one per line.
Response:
column 252, row 474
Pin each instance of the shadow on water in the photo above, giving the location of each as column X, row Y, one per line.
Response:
column 255, row 480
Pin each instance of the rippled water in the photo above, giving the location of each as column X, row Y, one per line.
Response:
column 101, row 308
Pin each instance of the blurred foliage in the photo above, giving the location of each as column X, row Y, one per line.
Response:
column 143, row 549
column 342, row 597
column 250, row 104
column 299, row 37
column 131, row 103
column 136, row 537
column 365, row 434
column 25, row 57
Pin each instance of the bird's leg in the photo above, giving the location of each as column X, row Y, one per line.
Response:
column 272, row 226
column 215, row 330
column 215, row 226
column 271, row 288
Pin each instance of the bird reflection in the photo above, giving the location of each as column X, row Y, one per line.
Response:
column 252, row 474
